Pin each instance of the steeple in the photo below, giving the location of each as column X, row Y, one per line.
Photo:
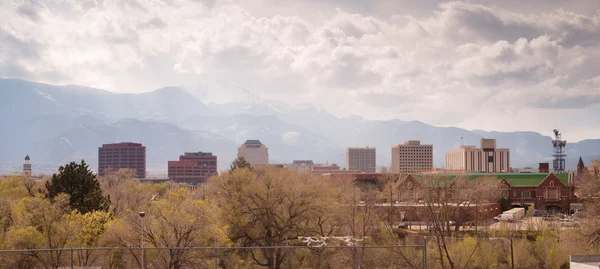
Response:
column 580, row 163
column 26, row 167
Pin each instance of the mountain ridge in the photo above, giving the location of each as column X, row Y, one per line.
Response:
column 42, row 114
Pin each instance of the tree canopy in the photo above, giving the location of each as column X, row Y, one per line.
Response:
column 238, row 163
column 79, row 182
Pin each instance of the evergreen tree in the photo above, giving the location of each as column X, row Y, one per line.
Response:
column 238, row 163
column 78, row 181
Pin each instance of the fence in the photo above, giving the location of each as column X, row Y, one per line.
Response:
column 281, row 257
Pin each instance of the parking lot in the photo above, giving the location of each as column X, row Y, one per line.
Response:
column 527, row 223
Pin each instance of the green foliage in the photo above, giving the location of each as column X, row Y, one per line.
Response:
column 267, row 207
column 239, row 163
column 505, row 204
column 80, row 183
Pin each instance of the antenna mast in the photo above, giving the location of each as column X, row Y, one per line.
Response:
column 559, row 152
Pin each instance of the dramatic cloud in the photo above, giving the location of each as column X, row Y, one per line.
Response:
column 468, row 64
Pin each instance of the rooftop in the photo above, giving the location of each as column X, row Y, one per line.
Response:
column 514, row 179
column 122, row 144
column 307, row 162
column 199, row 153
column 252, row 142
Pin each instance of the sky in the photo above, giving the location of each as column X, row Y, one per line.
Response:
column 480, row 64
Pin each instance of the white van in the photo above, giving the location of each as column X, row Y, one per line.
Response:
column 504, row 217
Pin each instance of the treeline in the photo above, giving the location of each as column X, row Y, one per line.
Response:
column 252, row 210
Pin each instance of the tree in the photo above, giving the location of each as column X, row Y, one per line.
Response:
column 79, row 182
column 238, row 163
column 588, row 190
column 446, row 199
column 390, row 188
column 177, row 221
column 41, row 224
column 270, row 208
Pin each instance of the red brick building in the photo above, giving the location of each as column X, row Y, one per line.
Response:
column 122, row 155
column 193, row 168
column 545, row 191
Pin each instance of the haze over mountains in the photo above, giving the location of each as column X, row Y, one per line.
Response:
column 58, row 124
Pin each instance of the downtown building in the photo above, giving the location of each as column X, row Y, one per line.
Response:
column 412, row 157
column 125, row 155
column 193, row 168
column 361, row 159
column 486, row 159
column 254, row 152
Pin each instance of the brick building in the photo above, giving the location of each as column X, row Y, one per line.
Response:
column 545, row 191
column 122, row 155
column 193, row 168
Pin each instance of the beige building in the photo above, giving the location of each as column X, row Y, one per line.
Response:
column 412, row 157
column 320, row 169
column 254, row 152
column 487, row 159
column 300, row 165
column 361, row 159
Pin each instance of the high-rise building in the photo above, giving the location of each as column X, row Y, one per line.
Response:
column 361, row 159
column 254, row 152
column 487, row 159
column 122, row 155
column 26, row 167
column 193, row 168
column 412, row 157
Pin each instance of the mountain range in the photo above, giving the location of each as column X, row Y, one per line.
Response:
column 58, row 124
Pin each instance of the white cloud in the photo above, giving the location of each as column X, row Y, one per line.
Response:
column 440, row 64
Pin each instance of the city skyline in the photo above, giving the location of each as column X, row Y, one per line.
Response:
column 467, row 64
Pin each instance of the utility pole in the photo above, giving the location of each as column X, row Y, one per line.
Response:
column 142, row 215
column 425, row 253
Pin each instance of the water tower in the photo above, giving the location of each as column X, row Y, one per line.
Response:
column 559, row 152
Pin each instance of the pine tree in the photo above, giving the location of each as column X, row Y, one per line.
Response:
column 80, row 183
column 238, row 163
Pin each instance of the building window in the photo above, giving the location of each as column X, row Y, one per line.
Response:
column 551, row 183
column 526, row 194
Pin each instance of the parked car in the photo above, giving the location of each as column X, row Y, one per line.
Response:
column 403, row 225
column 551, row 218
column 577, row 214
column 504, row 217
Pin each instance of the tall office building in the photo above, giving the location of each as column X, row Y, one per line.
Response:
column 254, row 152
column 412, row 157
column 122, row 155
column 361, row 159
column 193, row 168
column 487, row 159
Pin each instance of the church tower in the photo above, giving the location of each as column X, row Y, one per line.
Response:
column 26, row 167
column 580, row 167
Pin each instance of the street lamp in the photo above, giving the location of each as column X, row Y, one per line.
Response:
column 512, row 256
column 142, row 215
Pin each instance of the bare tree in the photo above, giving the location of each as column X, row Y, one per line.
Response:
column 588, row 190
column 269, row 207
